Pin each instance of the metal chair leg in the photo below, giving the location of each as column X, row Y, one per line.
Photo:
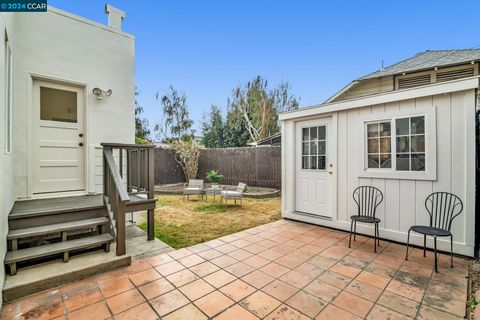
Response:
column 408, row 241
column 435, row 246
column 378, row 235
column 451, row 250
column 350, row 238
column 354, row 230
column 375, row 237
column 424, row 245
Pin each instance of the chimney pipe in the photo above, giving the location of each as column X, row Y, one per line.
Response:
column 115, row 17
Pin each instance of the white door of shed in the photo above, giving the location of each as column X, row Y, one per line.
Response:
column 58, row 138
column 314, row 167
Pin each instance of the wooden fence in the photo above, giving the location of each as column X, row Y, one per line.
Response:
column 257, row 167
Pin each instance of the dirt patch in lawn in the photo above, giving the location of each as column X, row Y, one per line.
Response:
column 182, row 224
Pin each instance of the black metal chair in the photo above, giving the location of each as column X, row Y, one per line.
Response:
column 367, row 198
column 442, row 207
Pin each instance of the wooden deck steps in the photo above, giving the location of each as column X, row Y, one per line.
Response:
column 44, row 229
column 57, row 227
column 57, row 247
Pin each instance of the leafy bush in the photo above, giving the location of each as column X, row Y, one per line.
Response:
column 214, row 176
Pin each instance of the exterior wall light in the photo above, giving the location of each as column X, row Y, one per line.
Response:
column 100, row 94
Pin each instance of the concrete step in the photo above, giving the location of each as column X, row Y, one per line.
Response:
column 40, row 277
column 56, row 228
column 55, row 248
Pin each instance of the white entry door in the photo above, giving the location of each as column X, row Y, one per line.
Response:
column 58, row 135
column 314, row 167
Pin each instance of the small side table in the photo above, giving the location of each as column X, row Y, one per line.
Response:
column 212, row 191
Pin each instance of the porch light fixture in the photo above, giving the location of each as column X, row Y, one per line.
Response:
column 100, row 94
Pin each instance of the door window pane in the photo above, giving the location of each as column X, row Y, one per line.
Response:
column 313, row 147
column 321, row 147
column 305, row 134
column 322, row 163
column 313, row 133
column 305, row 148
column 305, row 162
column 58, row 105
column 321, row 133
column 313, row 162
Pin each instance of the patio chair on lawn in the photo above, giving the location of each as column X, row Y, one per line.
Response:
column 193, row 187
column 235, row 194
column 367, row 198
column 442, row 207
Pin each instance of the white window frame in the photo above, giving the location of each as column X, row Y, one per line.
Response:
column 8, row 65
column 326, row 148
column 430, row 172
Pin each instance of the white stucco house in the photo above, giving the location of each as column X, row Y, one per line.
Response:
column 66, row 86
column 361, row 136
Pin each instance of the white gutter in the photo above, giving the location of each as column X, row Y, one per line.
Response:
column 397, row 95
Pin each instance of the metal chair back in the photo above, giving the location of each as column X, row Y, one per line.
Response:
column 195, row 183
column 241, row 187
column 367, row 198
column 443, row 207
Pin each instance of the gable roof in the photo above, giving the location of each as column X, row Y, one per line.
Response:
column 427, row 60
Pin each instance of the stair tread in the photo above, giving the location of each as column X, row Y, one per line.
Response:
column 55, row 227
column 59, row 247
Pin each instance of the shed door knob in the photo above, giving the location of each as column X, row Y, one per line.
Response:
column 81, row 144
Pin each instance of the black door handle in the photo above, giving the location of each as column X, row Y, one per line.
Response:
column 81, row 144
column 80, row 135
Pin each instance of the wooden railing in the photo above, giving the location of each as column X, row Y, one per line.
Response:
column 118, row 185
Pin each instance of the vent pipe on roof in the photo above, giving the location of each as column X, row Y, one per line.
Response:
column 115, row 17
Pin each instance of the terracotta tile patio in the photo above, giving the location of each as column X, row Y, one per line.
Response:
column 281, row 270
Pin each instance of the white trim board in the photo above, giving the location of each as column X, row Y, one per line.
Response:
column 397, row 95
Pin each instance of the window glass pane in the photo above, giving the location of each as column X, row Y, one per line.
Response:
column 305, row 163
column 304, row 148
column 313, row 162
column 418, row 162
column 384, row 128
column 313, row 147
column 373, row 161
column 58, row 105
column 321, row 163
column 403, row 162
column 313, row 133
column 372, row 130
column 373, row 145
column 418, row 143
column 385, row 145
column 385, row 161
column 402, row 126
column 403, row 144
column 418, row 125
column 305, row 134
column 321, row 147
column 321, row 133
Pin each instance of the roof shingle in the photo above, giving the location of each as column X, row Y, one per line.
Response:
column 427, row 60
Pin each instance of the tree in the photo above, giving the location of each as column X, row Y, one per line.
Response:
column 213, row 129
column 259, row 106
column 142, row 133
column 186, row 153
column 176, row 122
column 236, row 133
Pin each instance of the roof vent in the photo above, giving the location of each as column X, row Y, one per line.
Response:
column 409, row 82
column 455, row 74
column 115, row 17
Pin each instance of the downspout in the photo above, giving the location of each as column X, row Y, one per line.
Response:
column 477, row 175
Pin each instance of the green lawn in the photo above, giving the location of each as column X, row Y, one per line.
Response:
column 182, row 224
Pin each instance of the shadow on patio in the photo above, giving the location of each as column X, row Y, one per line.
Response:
column 281, row 270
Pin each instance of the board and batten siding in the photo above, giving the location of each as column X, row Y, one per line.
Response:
column 404, row 199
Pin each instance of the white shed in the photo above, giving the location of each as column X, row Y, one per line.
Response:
column 408, row 130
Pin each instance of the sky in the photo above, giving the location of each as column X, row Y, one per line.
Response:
column 205, row 48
